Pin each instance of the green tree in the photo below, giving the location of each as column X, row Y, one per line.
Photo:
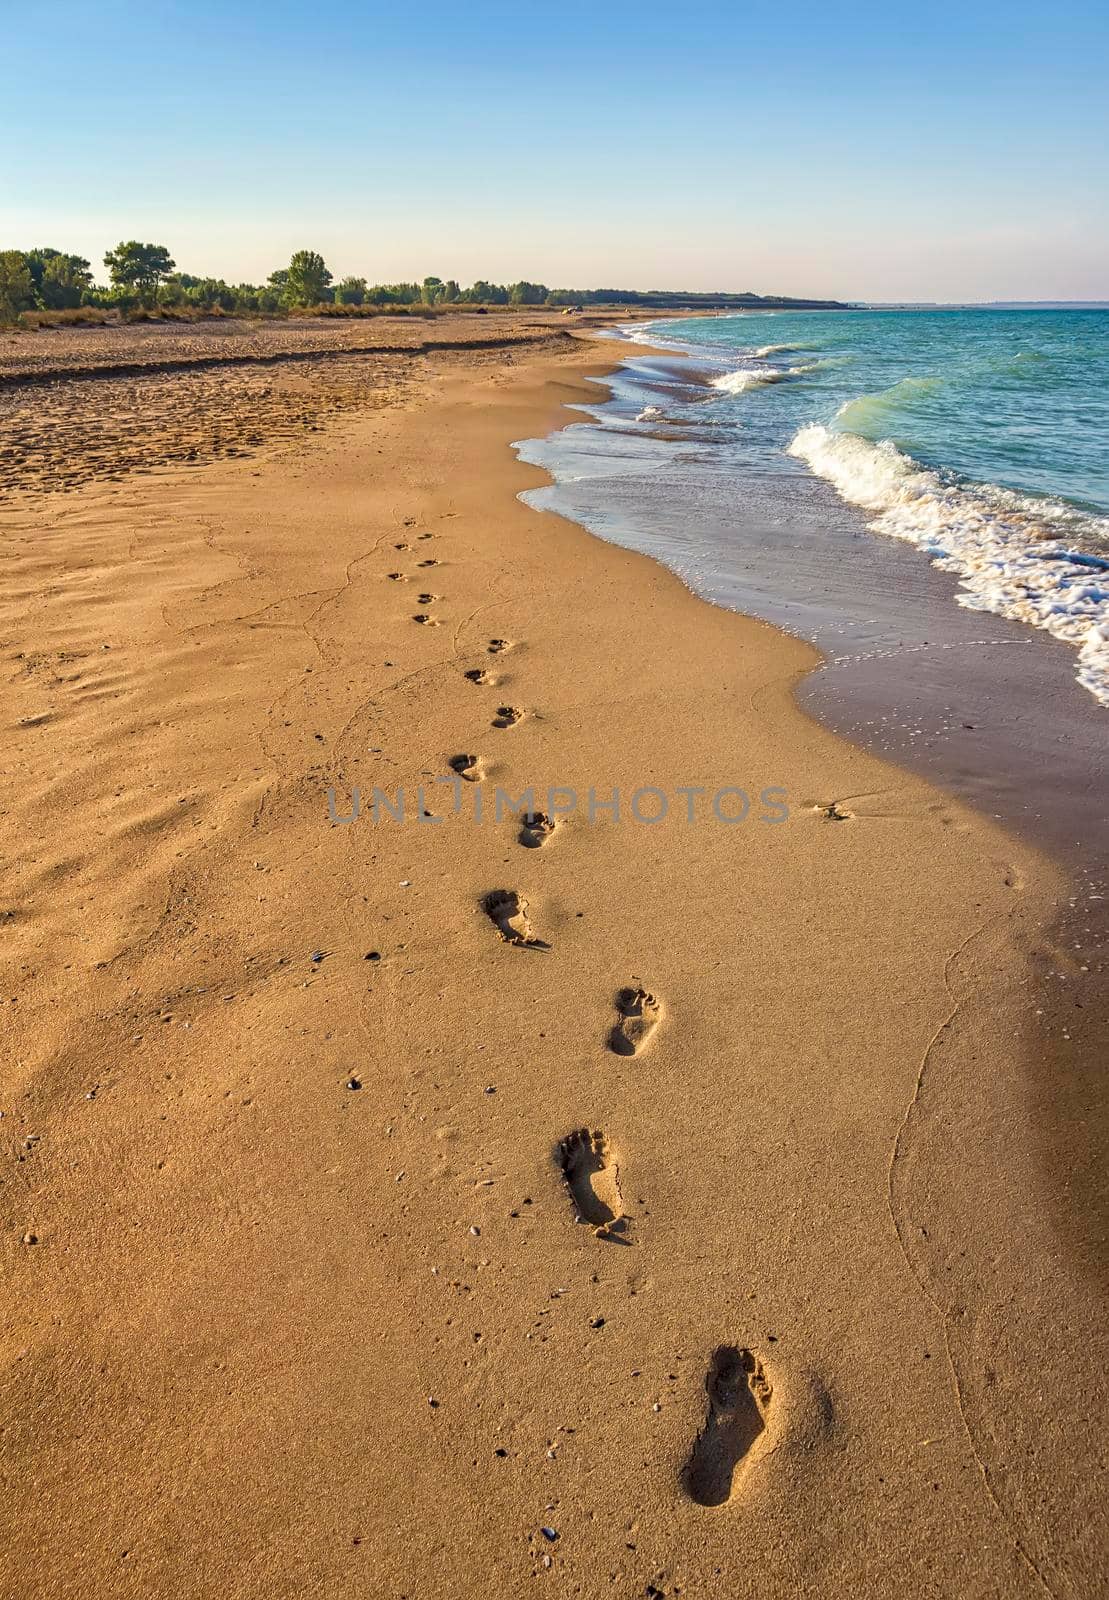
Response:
column 139, row 268
column 350, row 292
column 64, row 280
column 306, row 279
column 17, row 287
column 209, row 293
column 59, row 279
column 431, row 290
column 487, row 294
column 527, row 294
column 174, row 292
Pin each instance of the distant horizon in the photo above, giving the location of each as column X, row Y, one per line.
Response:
column 988, row 305
column 53, row 239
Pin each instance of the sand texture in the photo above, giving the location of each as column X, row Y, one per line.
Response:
column 446, row 1208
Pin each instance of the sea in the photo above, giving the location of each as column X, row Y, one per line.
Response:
column 923, row 494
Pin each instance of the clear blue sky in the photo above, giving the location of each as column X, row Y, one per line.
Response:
column 933, row 151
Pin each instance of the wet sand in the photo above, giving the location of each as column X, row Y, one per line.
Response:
column 986, row 708
column 424, row 1208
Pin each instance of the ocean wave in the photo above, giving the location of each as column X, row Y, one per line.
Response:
column 869, row 413
column 643, row 333
column 776, row 349
column 649, row 414
column 745, row 378
column 1012, row 553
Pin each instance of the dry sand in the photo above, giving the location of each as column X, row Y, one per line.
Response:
column 94, row 404
column 357, row 1230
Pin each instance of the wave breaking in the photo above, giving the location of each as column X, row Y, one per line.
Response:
column 745, row 378
column 1011, row 552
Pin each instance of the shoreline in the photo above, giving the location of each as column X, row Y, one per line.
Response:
column 365, row 1299
column 1071, row 971
column 1035, row 760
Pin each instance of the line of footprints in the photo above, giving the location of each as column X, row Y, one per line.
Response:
column 739, row 1394
column 738, row 1391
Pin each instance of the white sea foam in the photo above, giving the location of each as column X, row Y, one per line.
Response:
column 649, row 413
column 745, row 378
column 1011, row 552
column 776, row 349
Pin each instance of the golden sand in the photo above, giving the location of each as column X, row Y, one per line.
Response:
column 446, row 1208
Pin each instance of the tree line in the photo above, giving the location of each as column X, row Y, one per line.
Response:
column 145, row 277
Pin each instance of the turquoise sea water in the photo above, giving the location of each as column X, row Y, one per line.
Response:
column 980, row 436
column 1014, row 398
column 921, row 495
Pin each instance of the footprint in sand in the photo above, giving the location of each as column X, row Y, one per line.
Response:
column 430, row 562
column 428, row 599
column 397, row 577
column 536, row 828
column 508, row 912
column 497, row 647
column 639, row 1017
column 592, row 1178
column 468, row 767
column 739, row 1399
column 428, row 622
column 476, row 675
column 507, row 717
column 832, row 811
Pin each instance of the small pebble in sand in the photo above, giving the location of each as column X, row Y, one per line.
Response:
column 549, row 1533
column 476, row 1232
column 354, row 1083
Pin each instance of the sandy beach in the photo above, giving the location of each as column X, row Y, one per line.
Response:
column 457, row 1205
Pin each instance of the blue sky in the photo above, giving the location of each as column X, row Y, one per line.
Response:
column 857, row 150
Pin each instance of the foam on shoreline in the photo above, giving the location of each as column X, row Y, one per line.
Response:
column 1011, row 551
